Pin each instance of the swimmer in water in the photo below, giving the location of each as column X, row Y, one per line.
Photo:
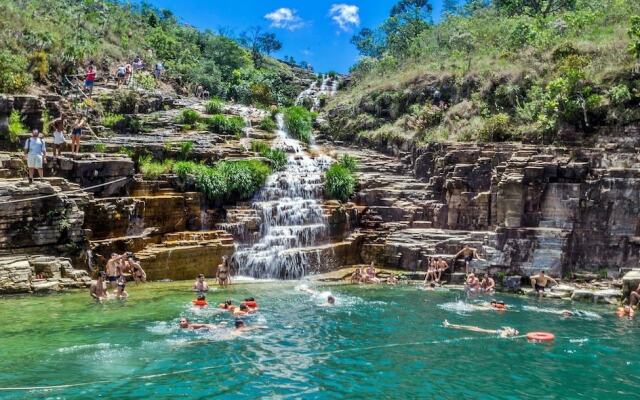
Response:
column 185, row 324
column 200, row 285
column 503, row 332
column 98, row 288
column 241, row 327
column 227, row 305
column 121, row 294
column 331, row 300
column 626, row 311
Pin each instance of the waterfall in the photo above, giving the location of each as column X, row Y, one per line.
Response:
column 290, row 208
column 328, row 88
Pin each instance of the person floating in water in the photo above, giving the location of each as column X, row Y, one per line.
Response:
column 98, row 289
column 488, row 285
column 539, row 282
column 185, row 324
column 330, row 299
column 227, row 305
column 201, row 301
column 502, row 332
column 468, row 254
column 224, row 274
column 200, row 285
column 251, row 303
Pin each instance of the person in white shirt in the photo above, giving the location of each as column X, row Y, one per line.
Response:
column 35, row 151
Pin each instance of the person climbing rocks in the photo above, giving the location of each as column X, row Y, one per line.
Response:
column 539, row 282
column 90, row 78
column 223, row 273
column 468, row 254
column 76, row 134
column 200, row 285
column 128, row 73
column 98, row 290
column 35, row 151
column 157, row 70
column 488, row 285
column 138, row 64
column 503, row 332
column 121, row 74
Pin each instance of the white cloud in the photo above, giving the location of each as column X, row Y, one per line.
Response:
column 345, row 15
column 285, row 18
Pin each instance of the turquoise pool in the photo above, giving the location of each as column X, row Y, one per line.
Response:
column 376, row 342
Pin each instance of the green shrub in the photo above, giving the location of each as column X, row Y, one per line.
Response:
column 225, row 125
column 100, row 148
column 126, row 151
column 299, row 122
column 188, row 116
column 619, row 95
column 214, row 106
column 348, row 162
column 145, row 81
column 110, row 120
column 153, row 169
column 185, row 149
column 340, row 182
column 16, row 127
column 496, row 128
column 227, row 181
column 277, row 156
column 13, row 73
column 268, row 124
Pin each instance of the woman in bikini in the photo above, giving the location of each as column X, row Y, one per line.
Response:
column 223, row 274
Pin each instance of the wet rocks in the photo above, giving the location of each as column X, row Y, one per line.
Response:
column 22, row 274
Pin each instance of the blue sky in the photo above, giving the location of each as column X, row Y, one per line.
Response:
column 316, row 31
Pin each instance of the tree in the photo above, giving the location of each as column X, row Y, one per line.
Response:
column 534, row 8
column 368, row 43
column 260, row 43
column 634, row 35
column 449, row 7
column 407, row 20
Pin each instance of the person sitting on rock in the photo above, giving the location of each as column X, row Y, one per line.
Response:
column 468, row 254
column 223, row 273
column 488, row 285
column 370, row 276
column 392, row 280
column 98, row 289
column 200, row 285
column 441, row 266
column 539, row 282
column 502, row 332
column 431, row 271
column 634, row 297
column 356, row 276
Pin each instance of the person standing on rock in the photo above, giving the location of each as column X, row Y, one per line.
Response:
column 539, row 282
column 90, row 78
column 35, row 151
column 468, row 254
column 58, row 136
column 76, row 134
column 98, row 290
column 441, row 266
column 223, row 274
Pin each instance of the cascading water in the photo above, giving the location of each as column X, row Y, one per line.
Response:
column 328, row 87
column 292, row 217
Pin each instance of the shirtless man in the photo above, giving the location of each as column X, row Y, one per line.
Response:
column 98, row 288
column 200, row 285
column 441, row 266
column 113, row 268
column 634, row 297
column 468, row 254
column 185, row 324
column 539, row 282
column 488, row 285
column 223, row 274
column 431, row 271
column 502, row 332
column 472, row 286
column 356, row 277
column 370, row 276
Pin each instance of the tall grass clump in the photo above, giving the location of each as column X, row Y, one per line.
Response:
column 225, row 125
column 214, row 106
column 299, row 122
column 16, row 127
column 153, row 169
column 268, row 124
column 277, row 156
column 340, row 179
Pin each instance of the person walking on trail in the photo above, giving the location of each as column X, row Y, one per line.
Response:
column 76, row 134
column 90, row 78
column 121, row 73
column 157, row 71
column 35, row 150
column 128, row 72
column 58, row 136
column 138, row 64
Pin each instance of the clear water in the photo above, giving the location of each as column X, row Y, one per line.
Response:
column 385, row 342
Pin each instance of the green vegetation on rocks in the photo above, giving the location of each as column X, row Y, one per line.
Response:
column 268, row 124
column 225, row 125
column 299, row 122
column 16, row 127
column 227, row 181
column 214, row 106
column 153, row 169
column 509, row 70
column 340, row 179
column 277, row 156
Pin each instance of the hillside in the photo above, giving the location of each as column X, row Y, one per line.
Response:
column 41, row 41
column 566, row 73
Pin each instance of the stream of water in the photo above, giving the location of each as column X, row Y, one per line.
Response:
column 292, row 220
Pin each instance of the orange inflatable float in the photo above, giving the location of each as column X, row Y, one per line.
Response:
column 540, row 336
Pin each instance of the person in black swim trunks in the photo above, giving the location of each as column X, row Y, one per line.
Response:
column 539, row 282
column 468, row 254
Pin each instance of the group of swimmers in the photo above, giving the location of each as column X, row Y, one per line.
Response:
column 115, row 276
column 245, row 308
